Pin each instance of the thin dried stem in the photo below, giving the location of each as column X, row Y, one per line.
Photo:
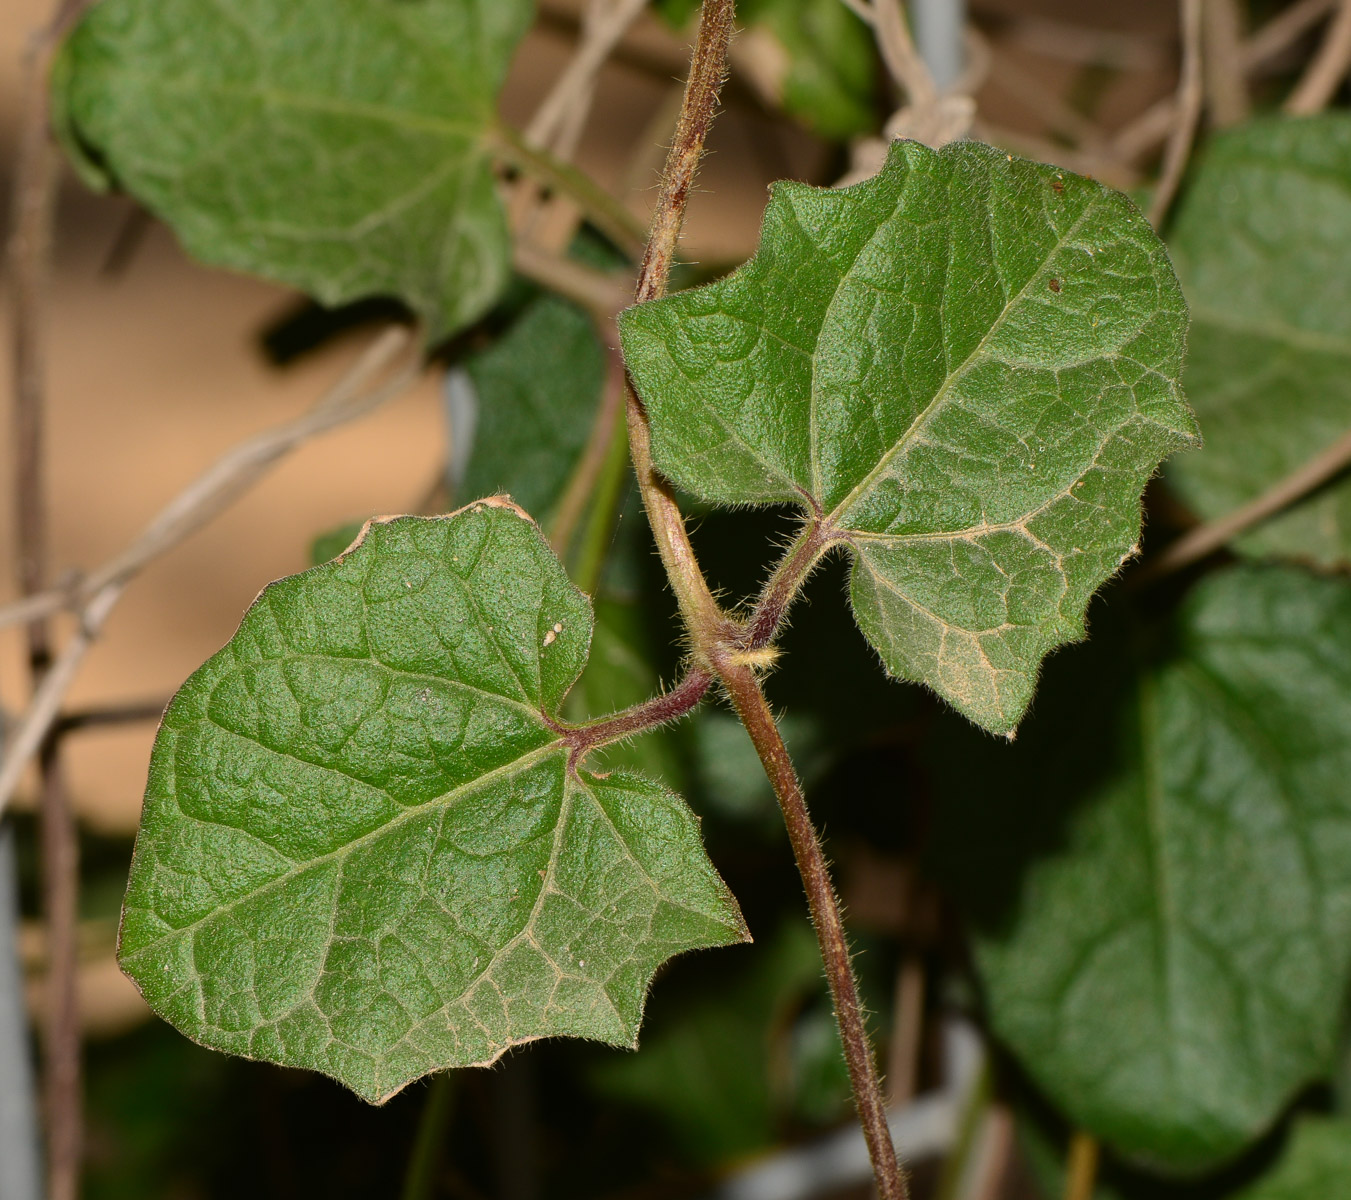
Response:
column 708, row 68
column 899, row 53
column 109, row 716
column 204, row 499
column 907, row 1030
column 862, row 9
column 1225, row 79
column 1328, row 69
column 582, row 483
column 1283, row 30
column 1081, row 1171
column 29, row 253
column 600, row 35
column 1187, row 114
column 229, row 477
column 1205, row 539
column 601, row 293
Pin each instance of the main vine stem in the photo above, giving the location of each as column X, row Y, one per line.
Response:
column 719, row 642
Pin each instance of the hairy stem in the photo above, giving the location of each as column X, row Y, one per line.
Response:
column 718, row 641
column 669, row 706
column 782, row 587
column 700, row 611
column 751, row 706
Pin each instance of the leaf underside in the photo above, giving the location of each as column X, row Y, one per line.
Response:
column 363, row 851
column 336, row 145
column 967, row 367
column 1260, row 242
column 1161, row 893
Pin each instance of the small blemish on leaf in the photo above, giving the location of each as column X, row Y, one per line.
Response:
column 1053, row 284
column 1058, row 185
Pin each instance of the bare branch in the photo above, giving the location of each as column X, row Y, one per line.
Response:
column 1206, row 539
column 606, row 24
column 900, row 55
column 1188, row 113
column 1225, row 78
column 228, row 478
column 601, row 293
column 213, row 492
column 1284, row 29
column 1329, row 67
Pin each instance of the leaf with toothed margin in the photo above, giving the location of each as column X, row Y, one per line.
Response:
column 966, row 368
column 364, row 849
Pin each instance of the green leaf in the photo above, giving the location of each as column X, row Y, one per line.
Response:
column 1315, row 1164
column 537, row 387
column 1159, row 873
column 828, row 73
column 341, row 146
column 968, row 367
column 363, row 850
column 1260, row 243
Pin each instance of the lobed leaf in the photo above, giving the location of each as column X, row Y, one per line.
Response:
column 966, row 368
column 363, row 849
column 1159, row 874
column 1260, row 242
column 341, row 146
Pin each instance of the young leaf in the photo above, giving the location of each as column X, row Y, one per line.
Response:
column 364, row 850
column 1260, row 242
column 538, row 387
column 966, row 368
column 337, row 145
column 1159, row 874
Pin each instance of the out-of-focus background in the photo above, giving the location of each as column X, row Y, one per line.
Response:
column 158, row 365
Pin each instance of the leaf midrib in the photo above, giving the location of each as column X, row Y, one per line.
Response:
column 443, row 801
column 328, row 105
column 840, row 512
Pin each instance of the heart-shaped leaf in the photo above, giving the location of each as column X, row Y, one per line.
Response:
column 1159, row 873
column 364, row 848
column 966, row 369
column 341, row 146
column 1261, row 244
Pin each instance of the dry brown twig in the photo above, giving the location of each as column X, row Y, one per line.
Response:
column 201, row 501
column 1328, row 68
column 1186, row 115
column 1205, row 539
column 34, row 214
column 1226, row 81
